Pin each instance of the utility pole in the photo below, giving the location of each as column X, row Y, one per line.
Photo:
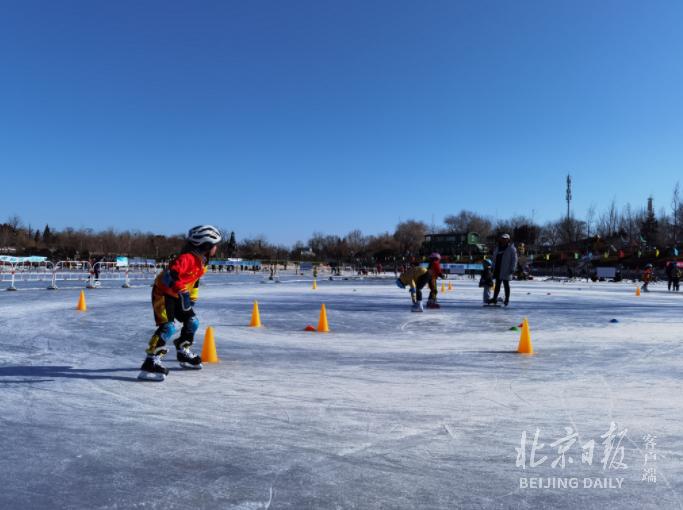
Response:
column 569, row 194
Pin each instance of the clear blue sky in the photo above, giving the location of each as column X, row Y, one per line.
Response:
column 286, row 117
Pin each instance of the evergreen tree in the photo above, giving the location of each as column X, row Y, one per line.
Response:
column 232, row 245
column 650, row 227
column 47, row 235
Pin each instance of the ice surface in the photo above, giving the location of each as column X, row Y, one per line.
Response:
column 391, row 409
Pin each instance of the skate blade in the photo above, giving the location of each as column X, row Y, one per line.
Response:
column 151, row 376
column 188, row 366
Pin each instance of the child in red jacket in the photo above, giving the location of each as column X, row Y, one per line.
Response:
column 648, row 276
column 173, row 297
column 434, row 270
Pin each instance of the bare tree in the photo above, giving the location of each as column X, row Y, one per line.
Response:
column 409, row 236
column 609, row 221
column 468, row 221
column 590, row 219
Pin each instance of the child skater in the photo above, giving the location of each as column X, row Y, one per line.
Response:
column 415, row 277
column 173, row 296
column 486, row 280
column 435, row 271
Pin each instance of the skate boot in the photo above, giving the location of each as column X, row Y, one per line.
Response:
column 432, row 304
column 417, row 307
column 152, row 369
column 186, row 357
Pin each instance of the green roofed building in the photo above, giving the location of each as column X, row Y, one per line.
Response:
column 454, row 245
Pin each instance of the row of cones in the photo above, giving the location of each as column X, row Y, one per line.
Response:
column 443, row 287
column 323, row 325
column 209, row 354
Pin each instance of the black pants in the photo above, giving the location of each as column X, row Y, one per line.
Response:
column 676, row 283
column 496, row 291
column 419, row 285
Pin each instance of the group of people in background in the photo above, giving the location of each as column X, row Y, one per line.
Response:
column 673, row 276
column 496, row 275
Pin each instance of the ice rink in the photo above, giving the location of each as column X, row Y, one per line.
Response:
column 391, row 409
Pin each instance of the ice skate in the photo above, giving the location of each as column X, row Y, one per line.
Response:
column 433, row 305
column 186, row 357
column 152, row 369
column 417, row 307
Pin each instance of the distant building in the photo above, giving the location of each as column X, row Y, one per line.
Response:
column 454, row 245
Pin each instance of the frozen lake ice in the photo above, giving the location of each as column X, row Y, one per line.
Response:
column 391, row 409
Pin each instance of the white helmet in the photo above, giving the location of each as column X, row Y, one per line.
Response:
column 203, row 235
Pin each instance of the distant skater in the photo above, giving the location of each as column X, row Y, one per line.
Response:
column 648, row 274
column 486, row 280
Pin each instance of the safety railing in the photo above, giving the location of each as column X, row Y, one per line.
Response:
column 74, row 271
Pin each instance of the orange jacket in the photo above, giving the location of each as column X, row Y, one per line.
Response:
column 647, row 275
column 182, row 274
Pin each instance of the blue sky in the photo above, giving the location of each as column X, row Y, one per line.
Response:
column 284, row 118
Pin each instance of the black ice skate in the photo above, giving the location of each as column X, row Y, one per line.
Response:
column 152, row 369
column 186, row 357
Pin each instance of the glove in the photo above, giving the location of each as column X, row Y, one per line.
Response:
column 413, row 292
column 400, row 284
column 185, row 301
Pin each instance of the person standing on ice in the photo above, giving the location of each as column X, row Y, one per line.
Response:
column 434, row 270
column 415, row 278
column 675, row 276
column 504, row 265
column 173, row 296
column 670, row 267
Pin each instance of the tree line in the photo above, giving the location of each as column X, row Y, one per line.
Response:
column 626, row 226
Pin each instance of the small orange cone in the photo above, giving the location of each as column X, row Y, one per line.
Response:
column 81, row 307
column 209, row 354
column 255, row 317
column 323, row 326
column 443, row 287
column 525, row 346
column 637, row 291
column 450, row 287
column 315, row 284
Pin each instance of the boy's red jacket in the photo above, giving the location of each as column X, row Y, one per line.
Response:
column 182, row 274
column 435, row 268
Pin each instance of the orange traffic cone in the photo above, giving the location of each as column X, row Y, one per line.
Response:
column 255, row 317
column 443, row 287
column 209, row 354
column 81, row 306
column 315, row 284
column 637, row 291
column 525, row 346
column 323, row 326
column 450, row 287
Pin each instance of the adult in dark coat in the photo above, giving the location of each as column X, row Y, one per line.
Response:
column 504, row 266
